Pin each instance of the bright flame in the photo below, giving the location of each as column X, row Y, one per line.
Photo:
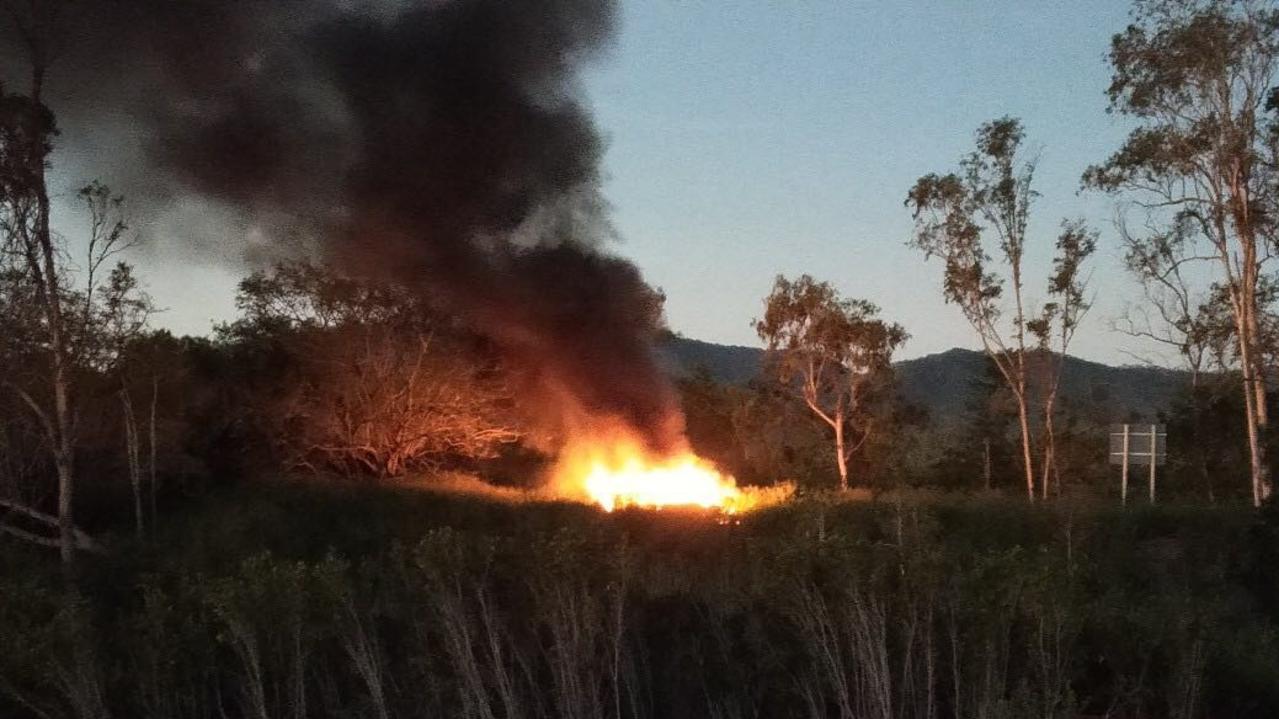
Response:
column 619, row 472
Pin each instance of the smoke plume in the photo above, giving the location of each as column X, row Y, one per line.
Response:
column 441, row 144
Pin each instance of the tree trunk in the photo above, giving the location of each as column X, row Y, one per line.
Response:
column 63, row 445
column 1261, row 470
column 1023, row 419
column 1258, row 368
column 1023, row 415
column 131, row 448
column 66, row 484
column 1254, row 441
column 151, row 464
column 1243, row 296
column 1050, row 457
column 1254, row 393
column 1050, row 442
column 46, row 271
column 840, row 457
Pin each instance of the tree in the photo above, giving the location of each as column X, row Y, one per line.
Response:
column 98, row 319
column 113, row 312
column 992, row 194
column 377, row 382
column 1196, row 76
column 1172, row 311
column 1056, row 327
column 27, row 129
column 121, row 318
column 835, row 350
column 1177, row 314
column 65, row 328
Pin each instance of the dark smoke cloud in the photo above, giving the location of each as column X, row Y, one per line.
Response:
column 443, row 145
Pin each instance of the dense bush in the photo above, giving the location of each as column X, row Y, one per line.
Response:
column 403, row 604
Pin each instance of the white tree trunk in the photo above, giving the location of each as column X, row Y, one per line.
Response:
column 840, row 456
column 1028, row 461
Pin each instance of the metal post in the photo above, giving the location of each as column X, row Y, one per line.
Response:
column 1154, row 430
column 1123, row 487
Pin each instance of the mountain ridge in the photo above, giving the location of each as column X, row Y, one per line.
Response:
column 948, row 384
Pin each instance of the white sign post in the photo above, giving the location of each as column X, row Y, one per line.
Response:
column 1138, row 444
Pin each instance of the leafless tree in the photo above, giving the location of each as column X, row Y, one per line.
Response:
column 385, row 401
column 382, row 383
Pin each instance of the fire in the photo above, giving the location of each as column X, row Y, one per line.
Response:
column 620, row 472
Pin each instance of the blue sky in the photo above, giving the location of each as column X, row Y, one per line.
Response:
column 759, row 137
column 754, row 138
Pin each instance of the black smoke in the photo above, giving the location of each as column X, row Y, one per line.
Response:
column 440, row 144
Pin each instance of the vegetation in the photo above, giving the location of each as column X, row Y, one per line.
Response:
column 992, row 195
column 371, row 379
column 837, row 351
column 333, row 505
column 326, row 600
column 1199, row 79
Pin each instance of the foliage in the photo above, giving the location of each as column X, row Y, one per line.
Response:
column 1197, row 76
column 910, row 607
column 759, row 433
column 376, row 382
column 836, row 351
column 991, row 194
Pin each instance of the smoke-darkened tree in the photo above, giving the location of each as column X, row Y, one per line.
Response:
column 375, row 381
column 27, row 129
column 836, row 352
column 102, row 309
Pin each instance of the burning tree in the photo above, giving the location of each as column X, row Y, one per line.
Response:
column 836, row 351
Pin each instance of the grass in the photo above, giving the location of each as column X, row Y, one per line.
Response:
column 451, row 598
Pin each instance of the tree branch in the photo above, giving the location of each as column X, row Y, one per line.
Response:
column 82, row 539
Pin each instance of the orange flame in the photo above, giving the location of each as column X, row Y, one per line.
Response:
column 616, row 470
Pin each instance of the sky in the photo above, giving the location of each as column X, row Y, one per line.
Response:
column 752, row 138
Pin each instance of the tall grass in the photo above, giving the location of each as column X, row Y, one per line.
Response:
column 867, row 610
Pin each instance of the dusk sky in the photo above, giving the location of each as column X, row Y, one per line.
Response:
column 782, row 137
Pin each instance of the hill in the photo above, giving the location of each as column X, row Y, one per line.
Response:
column 947, row 383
